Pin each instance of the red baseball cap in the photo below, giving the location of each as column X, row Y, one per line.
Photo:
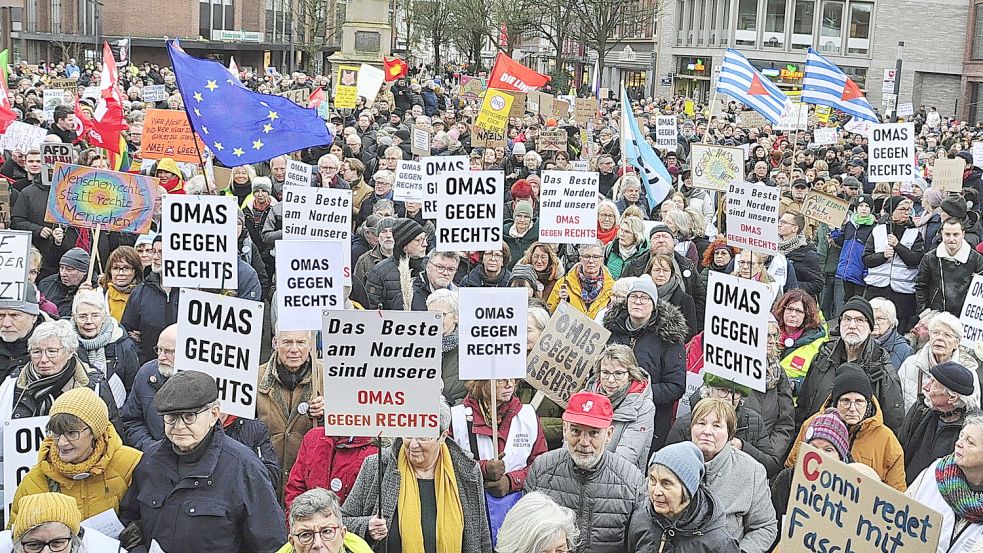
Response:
column 589, row 409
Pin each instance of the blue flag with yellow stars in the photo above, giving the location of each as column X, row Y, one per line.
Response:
column 238, row 125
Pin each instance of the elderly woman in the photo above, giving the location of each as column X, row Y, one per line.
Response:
column 803, row 332
column 672, row 289
column 35, row 260
column 680, row 511
column 619, row 294
column 51, row 521
column 242, row 184
column 445, row 302
column 543, row 259
column 587, row 286
column 536, row 524
column 945, row 332
column 632, row 243
column 521, row 232
column 103, row 343
column 550, row 414
column 776, row 404
column 733, row 477
column 950, row 485
column 124, row 274
column 316, row 526
column 886, row 331
column 680, row 223
column 82, row 457
column 607, row 221
column 628, row 192
column 417, row 470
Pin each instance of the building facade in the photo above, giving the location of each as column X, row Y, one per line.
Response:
column 972, row 81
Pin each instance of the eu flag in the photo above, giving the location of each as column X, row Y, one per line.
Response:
column 241, row 126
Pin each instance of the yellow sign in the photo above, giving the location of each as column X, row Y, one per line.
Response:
column 688, row 108
column 494, row 113
column 346, row 87
column 823, row 113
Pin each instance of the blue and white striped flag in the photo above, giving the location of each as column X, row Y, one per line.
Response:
column 742, row 82
column 653, row 173
column 826, row 85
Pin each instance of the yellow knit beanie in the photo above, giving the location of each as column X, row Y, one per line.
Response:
column 40, row 508
column 86, row 405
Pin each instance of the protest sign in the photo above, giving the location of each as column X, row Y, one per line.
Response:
column 666, row 132
column 518, row 103
column 321, row 214
column 409, row 181
column 495, row 108
column 484, row 138
column 735, row 339
column 167, row 133
column 892, row 148
column 382, row 373
column 492, row 333
column 91, row 92
column 824, row 136
column 947, row 174
column 153, row 93
column 552, row 140
column 972, row 313
column 54, row 98
column 906, row 109
column 693, row 382
column 689, row 108
column 200, row 246
column 752, row 119
column 469, row 211
column 313, row 283
column 823, row 113
column 978, row 154
column 346, row 87
column 532, row 101
column 568, row 207
column 546, row 104
column 752, row 217
column 561, row 109
column 220, row 336
column 419, row 141
column 825, row 209
column 794, row 117
column 566, row 353
column 51, row 153
column 716, row 167
column 298, row 174
column 87, row 197
column 15, row 249
column 221, row 178
column 835, row 507
column 471, row 87
column 433, row 168
column 68, row 83
column 22, row 440
column 370, row 79
column 21, row 137
column 584, row 109
column 301, row 96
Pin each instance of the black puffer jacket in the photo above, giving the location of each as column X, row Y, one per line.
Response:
column 925, row 438
column 808, row 271
column 383, row 287
column 699, row 528
column 691, row 280
column 942, row 282
column 750, row 430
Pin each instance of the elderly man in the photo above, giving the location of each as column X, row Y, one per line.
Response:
column 945, row 273
column 805, row 262
column 316, row 526
column 438, row 275
column 382, row 249
column 278, row 175
column 385, row 283
column 142, row 424
column 416, row 477
column 328, row 166
column 600, row 486
column 382, row 189
column 152, row 307
column 198, row 490
column 18, row 319
column 290, row 399
column 60, row 289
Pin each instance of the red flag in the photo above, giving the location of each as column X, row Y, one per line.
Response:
column 316, row 98
column 850, row 91
column 395, row 68
column 509, row 74
column 106, row 125
column 7, row 114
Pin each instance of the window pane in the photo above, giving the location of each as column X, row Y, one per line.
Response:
column 805, row 11
column 204, row 22
column 217, row 15
column 230, row 9
column 775, row 24
column 859, row 42
column 978, row 34
column 747, row 23
column 831, row 30
column 724, row 37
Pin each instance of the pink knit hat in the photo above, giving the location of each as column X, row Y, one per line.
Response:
column 830, row 427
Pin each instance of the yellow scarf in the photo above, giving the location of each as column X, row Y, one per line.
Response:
column 450, row 515
column 116, row 299
column 71, row 470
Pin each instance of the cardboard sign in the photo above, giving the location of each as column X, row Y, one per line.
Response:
column 568, row 207
column 552, row 140
column 22, row 440
column 301, row 96
column 420, row 139
column 546, row 104
column 837, row 508
column 977, row 154
column 892, row 147
column 320, row 214
column 492, row 333
column 298, row 174
column 716, row 167
column 947, row 174
column 972, row 313
column 370, row 79
column 433, row 169
column 752, row 217
column 221, row 178
column 346, row 87
column 495, row 108
column 382, row 373
column 86, row 197
column 532, row 102
column 15, row 249
column 824, row 136
column 153, row 93
column 906, row 109
column 409, row 181
column 471, row 87
column 167, row 133
column 561, row 109
column 64, row 82
column 666, row 132
column 484, row 138
column 584, row 109
column 566, row 354
column 21, row 137
column 200, row 247
column 735, row 337
column 313, row 283
column 220, row 336
column 752, row 120
column 518, row 103
column 469, row 211
column 825, row 209
column 54, row 152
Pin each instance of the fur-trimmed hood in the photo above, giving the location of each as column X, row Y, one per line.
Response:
column 668, row 322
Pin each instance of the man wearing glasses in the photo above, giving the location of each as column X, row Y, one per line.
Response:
column 327, row 173
column 142, row 424
column 316, row 527
column 438, row 275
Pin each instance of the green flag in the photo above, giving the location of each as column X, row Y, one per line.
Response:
column 4, row 60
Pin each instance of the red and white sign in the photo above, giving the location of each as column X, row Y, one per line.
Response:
column 509, row 74
column 752, row 217
column 568, row 207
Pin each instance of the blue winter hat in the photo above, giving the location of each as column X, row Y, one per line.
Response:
column 685, row 460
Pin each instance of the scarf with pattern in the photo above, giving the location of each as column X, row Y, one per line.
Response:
column 964, row 502
column 590, row 287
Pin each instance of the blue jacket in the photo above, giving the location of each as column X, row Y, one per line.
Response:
column 896, row 346
column 249, row 286
column 851, row 266
column 429, row 102
column 142, row 425
column 254, row 434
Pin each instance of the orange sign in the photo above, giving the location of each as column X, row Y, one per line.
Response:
column 167, row 133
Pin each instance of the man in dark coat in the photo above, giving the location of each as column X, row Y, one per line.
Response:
column 142, row 424
column 945, row 272
column 18, row 319
column 805, row 261
column 61, row 288
column 151, row 307
column 388, row 279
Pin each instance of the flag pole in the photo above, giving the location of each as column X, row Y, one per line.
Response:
column 713, row 102
column 194, row 135
column 627, row 111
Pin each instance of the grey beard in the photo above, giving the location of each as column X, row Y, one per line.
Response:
column 165, row 370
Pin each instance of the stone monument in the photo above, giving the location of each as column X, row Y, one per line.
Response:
column 366, row 35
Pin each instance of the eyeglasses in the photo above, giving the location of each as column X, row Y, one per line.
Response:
column 443, row 269
column 844, row 403
column 421, row 241
column 605, row 216
column 72, row 435
column 613, row 375
column 591, row 257
column 188, row 419
column 639, row 298
column 50, row 353
column 86, row 317
column 421, row 440
column 166, row 351
column 123, row 269
column 327, row 168
column 158, row 253
column 55, row 545
column 846, row 321
column 327, row 534
column 497, row 255
column 795, row 310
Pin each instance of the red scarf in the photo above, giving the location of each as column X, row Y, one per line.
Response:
column 606, row 236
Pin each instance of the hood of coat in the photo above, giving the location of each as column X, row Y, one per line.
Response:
column 668, row 322
column 700, row 516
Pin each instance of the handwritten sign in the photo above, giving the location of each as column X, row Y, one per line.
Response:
column 54, row 152
column 752, row 217
column 167, row 133
column 299, row 96
column 346, row 87
column 552, row 140
column 420, row 139
column 87, row 197
column 484, row 138
column 752, row 120
column 584, row 109
column 716, row 167
column 825, row 208
column 565, row 356
column 824, row 136
column 21, row 137
column 947, row 174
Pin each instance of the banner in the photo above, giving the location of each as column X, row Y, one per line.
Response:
column 313, row 283
column 370, row 79
column 298, row 174
column 86, row 197
column 717, row 167
column 15, row 251
column 971, row 314
column 200, row 242
column 469, row 211
column 752, row 217
column 735, row 337
column 566, row 354
column 947, row 174
column 21, row 443
column 51, row 153
column 433, row 169
column 492, row 333
column 346, row 87
column 409, row 182
column 153, row 93
column 825, row 209
column 220, row 336
column 509, row 74
column 21, row 137
column 892, row 149
column 167, row 133
column 382, row 373
column 666, row 132
column 568, row 207
column 320, row 214
column 494, row 113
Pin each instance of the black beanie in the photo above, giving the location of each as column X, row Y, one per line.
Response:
column 892, row 203
column 858, row 303
column 405, row 231
column 851, row 378
column 955, row 377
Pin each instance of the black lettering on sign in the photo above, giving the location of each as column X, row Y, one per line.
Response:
column 221, row 317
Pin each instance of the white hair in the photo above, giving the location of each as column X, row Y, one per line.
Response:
column 61, row 329
column 949, row 320
column 886, row 308
column 196, row 185
column 535, row 522
column 540, row 316
column 445, row 297
column 90, row 297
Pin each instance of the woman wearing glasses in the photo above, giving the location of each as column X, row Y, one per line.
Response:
column 125, row 273
column 803, row 332
column 945, row 332
column 103, row 344
column 52, row 522
column 316, row 527
column 83, row 457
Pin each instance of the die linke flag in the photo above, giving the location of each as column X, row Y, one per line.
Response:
column 509, row 74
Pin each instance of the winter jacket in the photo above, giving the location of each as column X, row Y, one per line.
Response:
column 57, row 293
column 797, row 358
column 852, row 239
column 329, row 462
column 687, row 307
column 454, row 389
column 122, row 357
column 604, row 498
column 142, row 425
column 149, row 311
column 518, row 246
column 634, row 419
column 228, row 505
column 254, row 435
column 362, row 501
column 574, row 288
column 28, row 214
column 808, row 271
column 925, row 437
column 384, row 285
column 900, row 271
column 943, row 280
column 659, row 347
column 921, row 362
column 698, row 529
column 956, row 535
column 896, row 346
column 15, row 405
column 827, row 250
column 549, row 412
column 750, row 430
column 777, row 409
column 366, row 262
column 477, row 278
column 687, row 271
column 740, row 486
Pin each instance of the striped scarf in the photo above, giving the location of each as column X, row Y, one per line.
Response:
column 965, row 503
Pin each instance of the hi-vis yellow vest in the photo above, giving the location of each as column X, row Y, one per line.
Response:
column 796, row 363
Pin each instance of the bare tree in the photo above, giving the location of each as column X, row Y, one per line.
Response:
column 317, row 24
column 556, row 22
column 470, row 21
column 432, row 19
column 602, row 23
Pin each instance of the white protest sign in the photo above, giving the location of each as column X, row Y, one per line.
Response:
column 200, row 247
column 978, row 154
column 752, row 217
column 735, row 337
column 298, row 173
column 824, row 136
column 154, row 93
column 469, row 211
column 21, row 443
column 568, row 207
column 794, row 117
column 54, row 98
column 409, row 181
column 382, row 373
column 419, row 141
column 693, row 382
column 91, row 92
column 309, row 281
column 665, row 132
column 21, row 137
column 892, row 149
column 492, row 333
column 906, row 109
column 322, row 214
column 106, row 523
column 370, row 79
column 220, row 336
column 971, row 315
column 947, row 174
column 15, row 249
column 433, row 167
column 155, row 547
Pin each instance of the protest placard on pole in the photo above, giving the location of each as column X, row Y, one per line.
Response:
column 51, row 153
column 546, row 104
column 568, row 207
column 735, row 337
column 552, row 140
column 752, row 217
column 584, row 109
column 752, row 120
column 153, row 93
column 666, row 132
column 494, row 112
column 892, row 149
column 947, row 174
column 53, row 98
column 200, row 246
column 15, row 250
column 346, row 87
column 566, row 354
column 87, row 197
column 823, row 113
column 370, row 79
column 492, row 333
column 433, row 169
column 484, row 138
column 21, row 137
column 469, row 211
column 420, row 139
column 22, row 440
column 409, row 181
column 835, row 507
column 298, row 174
column 167, row 133
column 824, row 136
column 221, row 336
column 794, row 117
column 716, row 167
column 382, row 371
column 320, row 214
column 825, row 209
column 309, row 280
column 906, row 109
column 518, row 108
column 971, row 314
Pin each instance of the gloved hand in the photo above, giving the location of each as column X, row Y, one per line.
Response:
column 131, row 536
column 498, row 488
column 494, row 470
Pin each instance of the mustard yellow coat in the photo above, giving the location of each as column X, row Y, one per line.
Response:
column 574, row 289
